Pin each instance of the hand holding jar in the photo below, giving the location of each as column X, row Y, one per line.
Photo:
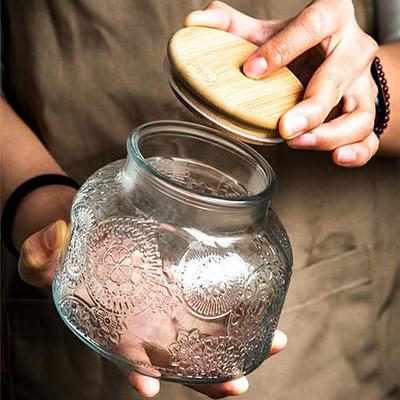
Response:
column 173, row 268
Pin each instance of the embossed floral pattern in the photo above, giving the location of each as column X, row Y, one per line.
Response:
column 100, row 187
column 124, row 277
column 83, row 220
column 254, row 319
column 210, row 279
column 278, row 232
column 124, row 271
column 97, row 325
column 71, row 273
column 195, row 355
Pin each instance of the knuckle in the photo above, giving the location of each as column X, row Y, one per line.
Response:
column 327, row 143
column 369, row 46
column 321, row 111
column 278, row 52
column 332, row 92
column 324, row 140
column 366, row 122
column 372, row 44
column 216, row 4
column 320, row 108
column 335, row 86
column 313, row 21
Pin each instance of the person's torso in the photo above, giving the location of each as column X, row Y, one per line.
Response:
column 84, row 73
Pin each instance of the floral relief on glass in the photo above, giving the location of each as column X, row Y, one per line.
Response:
column 210, row 279
column 184, row 285
column 124, row 270
column 196, row 355
column 256, row 312
column 278, row 232
column 97, row 325
column 102, row 187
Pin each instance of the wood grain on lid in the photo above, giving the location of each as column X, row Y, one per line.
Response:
column 209, row 61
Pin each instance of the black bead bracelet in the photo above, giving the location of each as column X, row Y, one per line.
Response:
column 382, row 104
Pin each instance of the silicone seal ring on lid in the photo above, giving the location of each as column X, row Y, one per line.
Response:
column 213, row 117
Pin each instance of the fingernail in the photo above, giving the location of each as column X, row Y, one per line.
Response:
column 280, row 339
column 51, row 235
column 346, row 156
column 305, row 140
column 151, row 385
column 293, row 124
column 255, row 67
column 241, row 385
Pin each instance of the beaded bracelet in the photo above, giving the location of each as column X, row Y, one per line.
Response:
column 382, row 104
column 11, row 206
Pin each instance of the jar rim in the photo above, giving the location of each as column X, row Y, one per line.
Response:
column 200, row 131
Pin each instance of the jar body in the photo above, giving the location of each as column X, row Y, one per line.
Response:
column 144, row 284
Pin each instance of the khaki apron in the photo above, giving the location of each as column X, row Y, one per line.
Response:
column 83, row 74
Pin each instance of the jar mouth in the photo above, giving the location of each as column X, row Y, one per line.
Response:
column 200, row 165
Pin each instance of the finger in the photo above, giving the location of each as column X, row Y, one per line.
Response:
column 234, row 387
column 348, row 128
column 145, row 385
column 314, row 24
column 279, row 342
column 39, row 254
column 324, row 91
column 356, row 154
column 219, row 15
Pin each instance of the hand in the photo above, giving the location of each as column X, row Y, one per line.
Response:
column 37, row 265
column 343, row 76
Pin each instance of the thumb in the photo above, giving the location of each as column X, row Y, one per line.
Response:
column 40, row 252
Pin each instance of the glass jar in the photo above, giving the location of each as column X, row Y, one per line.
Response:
column 176, row 267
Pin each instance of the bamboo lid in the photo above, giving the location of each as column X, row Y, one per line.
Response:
column 204, row 70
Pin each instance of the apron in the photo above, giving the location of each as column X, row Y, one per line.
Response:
column 83, row 74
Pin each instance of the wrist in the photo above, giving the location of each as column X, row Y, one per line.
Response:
column 40, row 208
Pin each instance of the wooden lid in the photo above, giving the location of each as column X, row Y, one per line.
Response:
column 206, row 73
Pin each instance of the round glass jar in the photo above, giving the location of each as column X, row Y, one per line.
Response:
column 176, row 267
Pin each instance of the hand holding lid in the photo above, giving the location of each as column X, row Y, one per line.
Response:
column 205, row 67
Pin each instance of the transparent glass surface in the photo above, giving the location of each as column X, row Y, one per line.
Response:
column 176, row 266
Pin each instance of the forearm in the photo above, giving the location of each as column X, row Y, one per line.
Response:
column 22, row 157
column 390, row 139
column 22, row 153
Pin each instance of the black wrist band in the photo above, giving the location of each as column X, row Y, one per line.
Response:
column 382, row 104
column 11, row 205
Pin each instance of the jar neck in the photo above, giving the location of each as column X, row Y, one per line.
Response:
column 172, row 199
